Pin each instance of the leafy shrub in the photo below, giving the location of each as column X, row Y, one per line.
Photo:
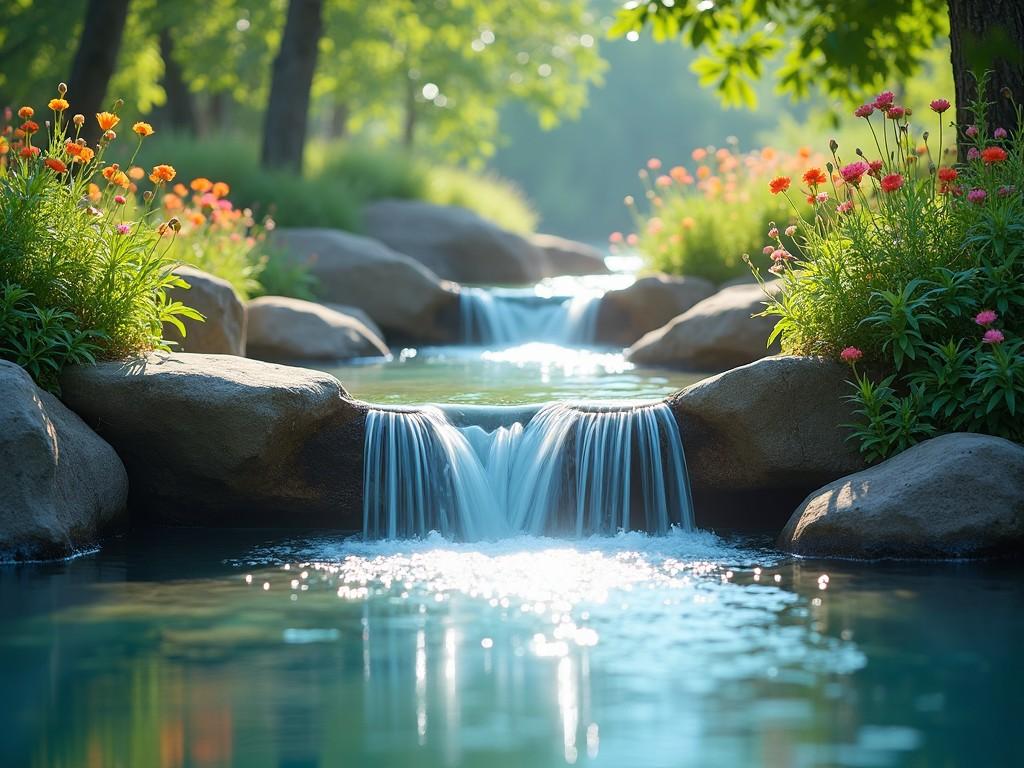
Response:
column 83, row 272
column 488, row 194
column 701, row 223
column 920, row 274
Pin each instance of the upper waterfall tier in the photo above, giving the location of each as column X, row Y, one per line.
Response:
column 501, row 317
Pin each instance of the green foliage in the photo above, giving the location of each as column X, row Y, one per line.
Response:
column 491, row 196
column 841, row 48
column 83, row 274
column 925, row 280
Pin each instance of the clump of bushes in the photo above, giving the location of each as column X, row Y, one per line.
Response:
column 700, row 220
column 339, row 179
column 911, row 269
column 84, row 272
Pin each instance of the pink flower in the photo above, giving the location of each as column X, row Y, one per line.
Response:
column 123, row 229
column 654, row 226
column 853, row 172
column 884, row 100
column 999, row 133
column 821, row 197
column 986, row 317
column 851, row 355
column 895, row 113
column 773, row 233
column 654, row 163
column 845, row 207
column 778, row 254
column 971, row 131
column 777, row 268
column 790, row 230
column 993, row 336
column 939, row 105
column 1006, row 190
column 120, row 199
column 977, row 195
column 864, row 110
column 632, row 239
column 615, row 237
column 768, row 249
column 663, row 181
column 892, row 182
column 973, row 154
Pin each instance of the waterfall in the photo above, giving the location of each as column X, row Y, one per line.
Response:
column 494, row 317
column 571, row 468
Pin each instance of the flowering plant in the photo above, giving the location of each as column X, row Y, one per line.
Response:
column 83, row 272
column 699, row 223
column 920, row 274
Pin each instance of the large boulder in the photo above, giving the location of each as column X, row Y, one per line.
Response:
column 628, row 313
column 761, row 437
column 60, row 484
column 284, row 329
column 455, row 243
column 213, row 440
column 713, row 335
column 405, row 298
column 223, row 330
column 959, row 495
column 569, row 257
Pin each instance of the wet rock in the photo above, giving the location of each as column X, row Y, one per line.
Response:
column 627, row 314
column 713, row 335
column 223, row 330
column 212, row 440
column 402, row 296
column 60, row 484
column 283, row 329
column 455, row 243
column 569, row 257
column 958, row 495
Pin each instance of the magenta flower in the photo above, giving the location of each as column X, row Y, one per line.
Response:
column 1006, row 190
column 986, row 317
column 853, row 172
column 993, row 336
column 939, row 105
column 977, row 195
column 851, row 355
column 120, row 199
column 123, row 229
column 999, row 133
column 884, row 100
column 864, row 110
column 973, row 154
column 895, row 113
column 971, row 131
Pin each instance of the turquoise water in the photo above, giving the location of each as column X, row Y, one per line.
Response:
column 197, row 648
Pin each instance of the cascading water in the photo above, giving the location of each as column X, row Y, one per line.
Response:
column 496, row 317
column 573, row 468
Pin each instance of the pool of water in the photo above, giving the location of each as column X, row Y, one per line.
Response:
column 527, row 373
column 246, row 649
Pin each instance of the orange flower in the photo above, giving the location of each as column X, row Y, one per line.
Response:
column 172, row 202
column 779, row 184
column 703, row 172
column 814, row 176
column 143, row 129
column 180, row 189
column 85, row 155
column 699, row 154
column 72, row 148
column 30, row 126
column 58, row 105
column 94, row 192
column 197, row 219
column 804, row 152
column 115, row 176
column 107, row 120
column 201, row 184
column 220, row 189
column 29, row 152
column 56, row 165
column 136, row 172
column 162, row 173
column 26, row 112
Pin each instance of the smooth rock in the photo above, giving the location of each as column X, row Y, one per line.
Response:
column 223, row 330
column 212, row 440
column 569, row 257
column 284, row 329
column 958, row 495
column 402, row 296
column 759, row 438
column 627, row 314
column 713, row 335
column 60, row 484
column 455, row 243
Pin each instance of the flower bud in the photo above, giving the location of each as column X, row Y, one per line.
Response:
column 147, row 195
column 925, row 135
column 109, row 135
column 833, row 144
column 118, row 104
column 1006, row 93
column 62, row 88
column 78, row 120
column 860, row 152
column 175, row 224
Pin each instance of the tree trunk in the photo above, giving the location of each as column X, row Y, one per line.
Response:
column 339, row 121
column 95, row 60
column 409, row 124
column 284, row 130
column 180, row 109
column 988, row 35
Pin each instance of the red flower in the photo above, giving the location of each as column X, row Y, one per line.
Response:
column 30, row 126
column 875, row 168
column 991, row 155
column 814, row 176
column 29, row 152
column 779, row 184
column 947, row 174
column 939, row 105
column 56, row 165
column 851, row 355
column 892, row 182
